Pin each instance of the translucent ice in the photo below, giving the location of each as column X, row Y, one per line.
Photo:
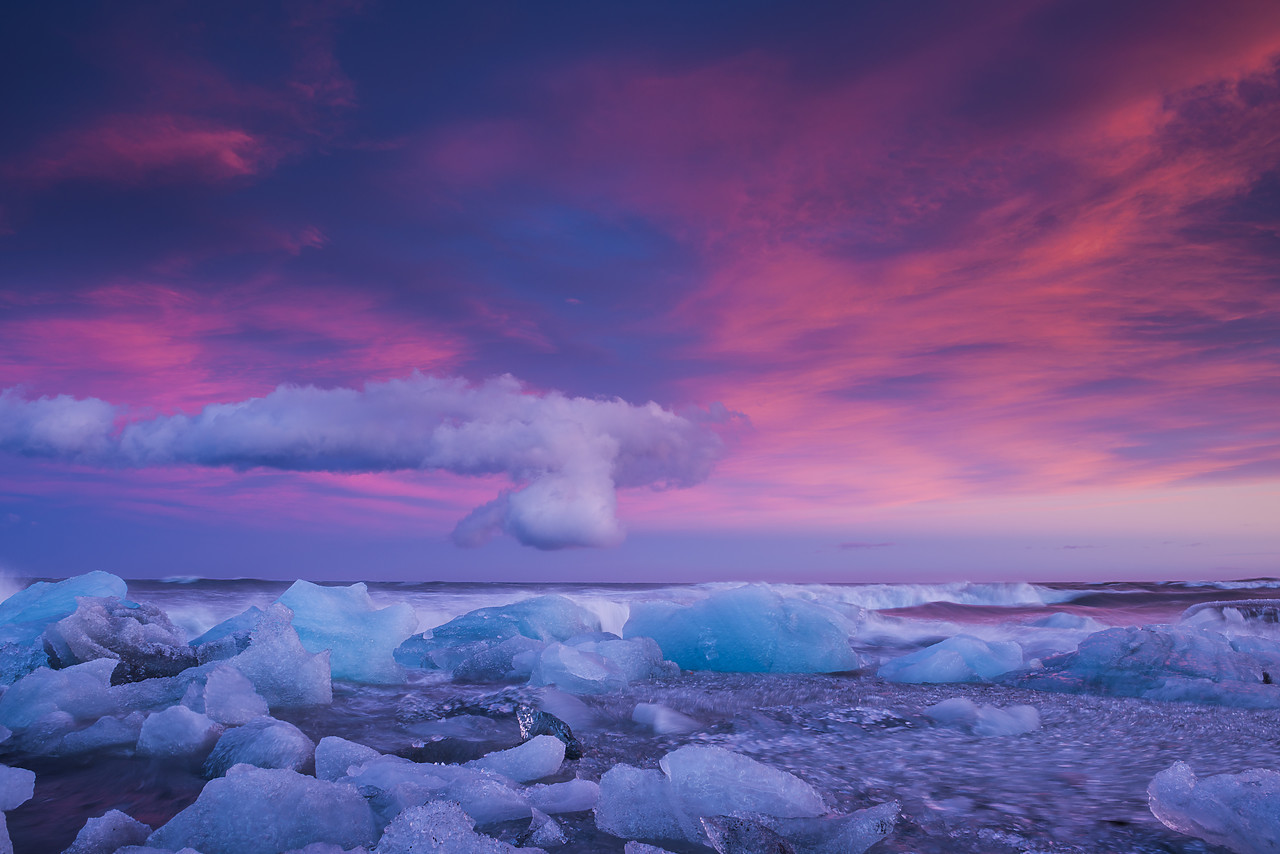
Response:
column 636, row 803
column 335, row 755
column 360, row 636
column 399, row 783
column 107, row 833
column 544, row 831
column 108, row 733
column 229, row 697
column 634, row 847
column 280, row 668
column 177, row 731
column 511, row 660
column 265, row 743
column 537, row 758
column 663, row 720
column 141, row 637
column 17, row 785
column 749, row 629
column 569, row 796
column 1240, row 812
column 24, row 615
column 636, row 658
column 228, row 638
column 577, row 671
column 847, row 834
column 438, row 827
column 985, row 720
column 962, row 658
column 265, row 811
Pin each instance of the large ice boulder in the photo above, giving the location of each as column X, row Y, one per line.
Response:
column 1167, row 663
column 439, row 827
column 25, row 614
column 266, row 811
column 360, row 636
column 962, row 658
column 537, row 758
column 281, row 669
column 178, row 732
column 335, row 756
column 108, row 833
column 139, row 636
column 696, row 782
column 749, row 629
column 1240, row 812
column 985, row 721
column 265, row 743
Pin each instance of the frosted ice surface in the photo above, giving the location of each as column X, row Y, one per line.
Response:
column 663, row 720
column 749, row 629
column 228, row 638
column 741, row 835
column 265, row 811
column 511, row 660
column 569, row 796
column 17, row 785
column 335, row 755
column 962, row 658
column 1240, row 812
column 109, row 832
column 326, row 848
column 576, row 671
column 360, row 636
column 265, row 742
column 849, row 834
column 83, row 691
column 636, row 803
column 24, row 615
column 985, row 720
column 177, row 731
column 637, row 658
column 485, row 796
column 280, row 668
column 229, row 697
column 539, row 757
column 634, row 847
column 140, row 636
column 103, row 734
column 438, row 827
column 544, row 831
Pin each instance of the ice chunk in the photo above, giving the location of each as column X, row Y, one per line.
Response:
column 107, row 833
column 280, row 668
column 438, row 827
column 576, row 671
column 740, row 835
column 985, row 720
column 569, row 796
column 634, row 847
column 19, row 659
column 228, row 638
column 103, row 734
column 17, row 785
column 636, row 804
column 1240, row 812
column 264, row 742
column 544, row 831
column 848, row 834
column 637, row 658
column 537, row 758
column 749, row 629
column 360, row 636
column 512, row 660
column 139, row 636
column 178, row 731
column 265, row 811
column 663, row 720
column 229, row 697
column 962, row 658
column 485, row 796
column 335, row 755
column 24, row 615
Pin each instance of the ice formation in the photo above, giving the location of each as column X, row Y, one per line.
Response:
column 360, row 636
column 17, row 785
column 139, row 636
column 282, row 671
column 569, row 796
column 985, row 720
column 663, row 720
column 228, row 697
column 266, row 811
column 334, row 756
column 1240, row 812
column 539, row 757
column 108, row 833
column 395, row 783
column 749, row 629
column 265, row 743
column 962, row 658
column 176, row 732
column 25, row 614
column 439, row 827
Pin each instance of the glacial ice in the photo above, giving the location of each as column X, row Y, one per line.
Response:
column 748, row 629
column 846, row 834
column 544, row 831
column 107, row 733
column 1240, row 812
column 17, row 785
column 570, row 796
column 576, row 671
column 109, row 832
column 439, row 827
column 228, row 638
column 539, row 757
column 360, row 636
column 663, row 720
column 511, row 660
column 139, row 636
column 696, row 782
column 985, row 720
column 266, row 811
column 400, row 783
column 176, row 732
column 334, row 756
column 634, row 847
column 24, row 615
column 280, row 668
column 229, row 697
column 962, row 658
column 265, row 743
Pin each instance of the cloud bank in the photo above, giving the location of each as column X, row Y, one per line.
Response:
column 566, row 456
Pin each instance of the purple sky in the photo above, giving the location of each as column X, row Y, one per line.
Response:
column 670, row 291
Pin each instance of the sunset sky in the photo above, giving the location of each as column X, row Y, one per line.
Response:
column 626, row 291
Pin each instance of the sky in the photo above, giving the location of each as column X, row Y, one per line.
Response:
column 856, row 291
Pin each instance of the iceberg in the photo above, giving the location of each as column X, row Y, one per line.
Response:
column 140, row 637
column 282, row 671
column 962, row 658
column 108, row 833
column 359, row 636
column 176, row 732
column 538, row 757
column 265, row 743
column 1240, row 812
column 266, row 811
column 749, row 629
column 24, row 615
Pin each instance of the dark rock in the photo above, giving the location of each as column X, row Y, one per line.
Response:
column 534, row 722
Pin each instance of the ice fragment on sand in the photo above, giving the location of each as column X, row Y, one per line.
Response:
column 985, row 720
column 538, row 757
column 663, row 720
column 280, row 668
column 749, row 629
column 107, row 833
column 229, row 697
column 360, row 636
column 569, row 796
column 177, row 731
column 265, row 811
column 335, row 755
column 737, row 835
column 1240, row 812
column 438, row 827
column 265, row 742
column 962, row 658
